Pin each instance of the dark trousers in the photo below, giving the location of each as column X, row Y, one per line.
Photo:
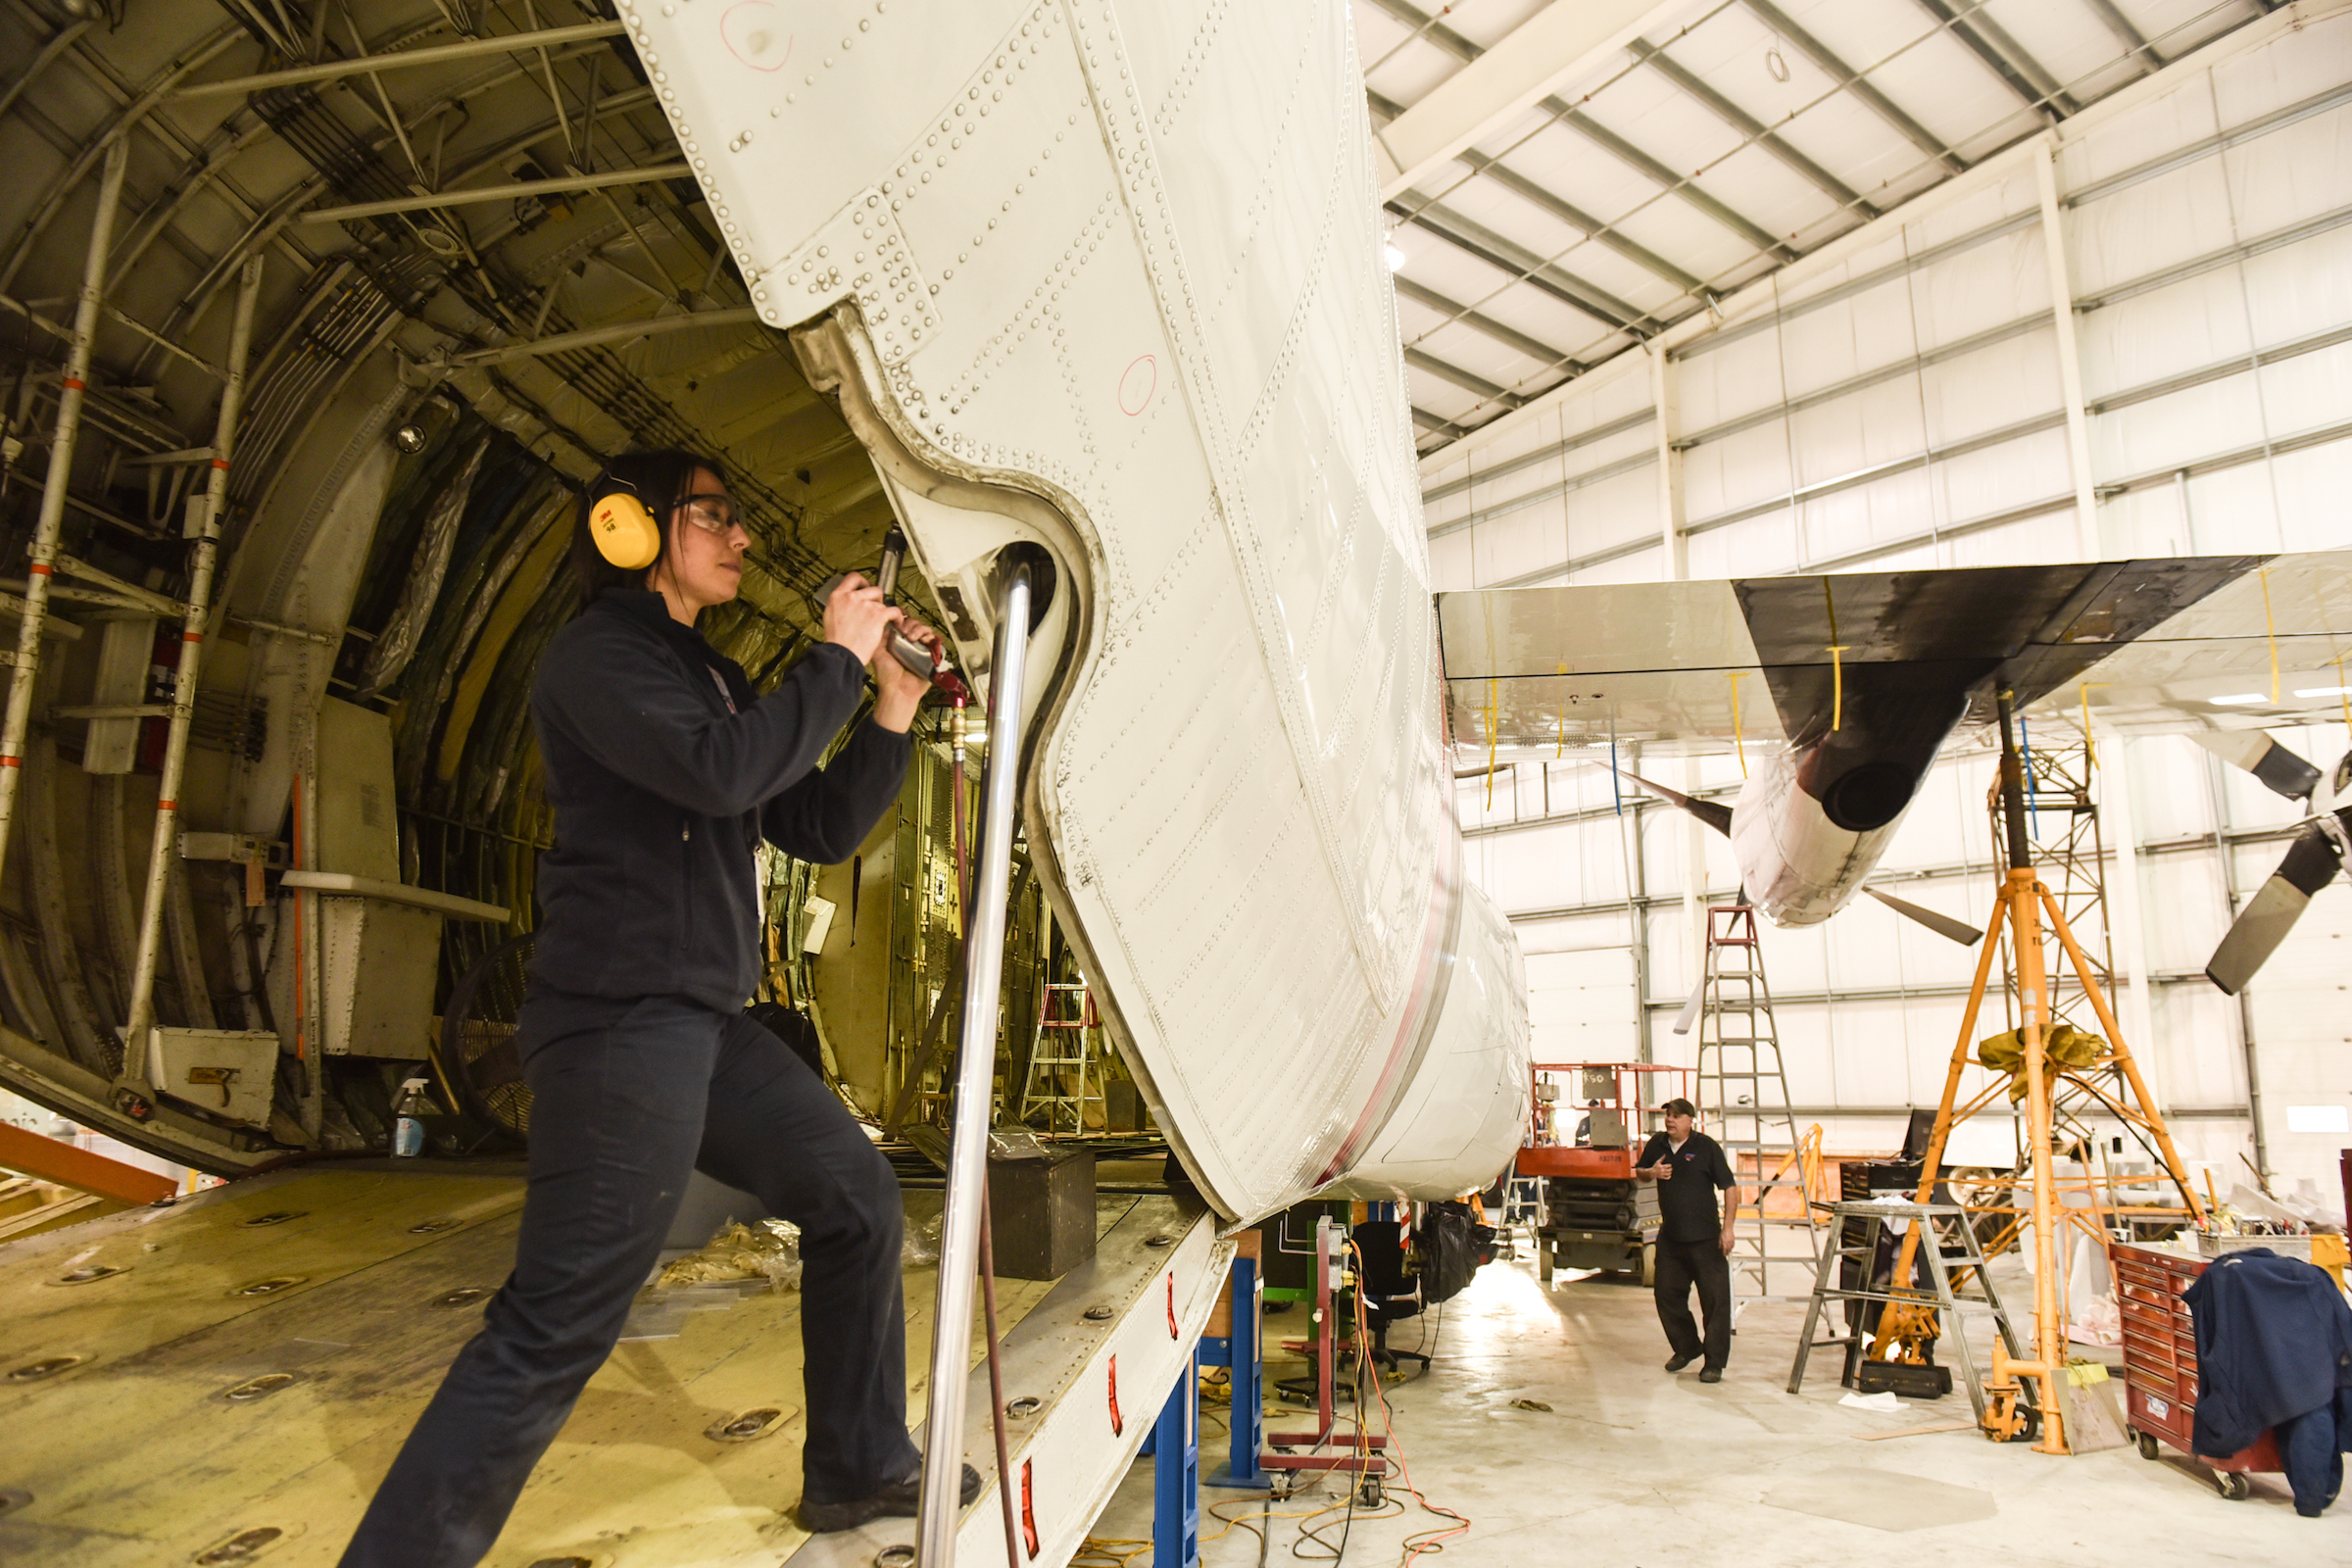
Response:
column 628, row 1097
column 1680, row 1266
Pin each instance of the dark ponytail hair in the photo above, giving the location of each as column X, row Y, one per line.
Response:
column 659, row 480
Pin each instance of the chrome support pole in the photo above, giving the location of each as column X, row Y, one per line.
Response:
column 975, row 1065
column 138, row 1064
column 27, row 665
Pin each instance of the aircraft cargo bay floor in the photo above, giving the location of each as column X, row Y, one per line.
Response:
column 1633, row 1466
column 249, row 1360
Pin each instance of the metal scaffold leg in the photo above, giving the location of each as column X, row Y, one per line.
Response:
column 75, row 380
column 140, row 1069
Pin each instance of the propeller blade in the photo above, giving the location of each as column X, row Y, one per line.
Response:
column 1943, row 925
column 2311, row 863
column 1714, row 813
column 2280, row 770
column 1684, row 1019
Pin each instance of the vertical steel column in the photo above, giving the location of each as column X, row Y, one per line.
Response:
column 1674, row 545
column 138, row 1063
column 2129, row 925
column 2216, row 789
column 2070, row 359
column 975, row 1064
column 28, row 661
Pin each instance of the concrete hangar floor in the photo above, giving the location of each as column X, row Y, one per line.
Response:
column 1630, row 1464
column 228, row 1378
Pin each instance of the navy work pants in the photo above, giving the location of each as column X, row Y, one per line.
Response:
column 629, row 1096
column 1680, row 1266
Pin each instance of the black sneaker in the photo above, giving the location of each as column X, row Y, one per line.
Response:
column 901, row 1499
column 1713, row 1374
column 1680, row 1362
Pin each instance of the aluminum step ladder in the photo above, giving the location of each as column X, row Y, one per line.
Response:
column 1743, row 1100
column 1065, row 1060
column 1961, row 1286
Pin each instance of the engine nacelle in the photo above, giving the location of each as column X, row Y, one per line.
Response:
column 1796, row 864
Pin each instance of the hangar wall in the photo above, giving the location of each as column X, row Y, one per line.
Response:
column 1909, row 397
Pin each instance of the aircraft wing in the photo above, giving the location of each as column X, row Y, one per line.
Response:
column 2159, row 645
column 1658, row 662
column 2210, row 665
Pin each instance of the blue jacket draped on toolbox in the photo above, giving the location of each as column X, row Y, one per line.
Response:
column 665, row 771
column 2274, row 1344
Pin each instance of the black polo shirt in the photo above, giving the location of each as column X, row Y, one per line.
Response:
column 1687, row 1199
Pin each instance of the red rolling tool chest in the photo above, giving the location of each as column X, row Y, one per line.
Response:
column 2160, row 1363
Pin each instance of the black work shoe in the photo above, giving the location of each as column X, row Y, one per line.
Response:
column 1680, row 1362
column 901, row 1499
column 1713, row 1374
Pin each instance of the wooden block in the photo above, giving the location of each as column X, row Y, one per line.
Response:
column 1250, row 1244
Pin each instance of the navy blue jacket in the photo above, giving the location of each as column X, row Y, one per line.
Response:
column 2274, row 1341
column 664, row 785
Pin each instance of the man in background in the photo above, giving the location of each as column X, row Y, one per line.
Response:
column 1694, row 1240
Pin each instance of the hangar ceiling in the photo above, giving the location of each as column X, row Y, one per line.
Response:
column 1675, row 153
column 502, row 199
column 466, row 224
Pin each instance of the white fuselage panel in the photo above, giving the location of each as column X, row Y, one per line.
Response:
column 1126, row 257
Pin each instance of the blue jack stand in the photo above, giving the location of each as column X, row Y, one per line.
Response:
column 1174, row 1447
column 1243, row 1352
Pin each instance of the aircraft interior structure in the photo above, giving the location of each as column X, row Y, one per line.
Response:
column 957, row 276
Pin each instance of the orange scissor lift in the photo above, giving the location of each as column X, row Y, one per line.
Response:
column 1593, row 1214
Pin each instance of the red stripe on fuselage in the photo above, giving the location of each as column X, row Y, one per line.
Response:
column 1433, row 939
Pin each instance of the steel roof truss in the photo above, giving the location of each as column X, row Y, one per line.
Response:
column 1855, row 84
column 2004, row 57
column 1508, row 255
column 1487, row 390
column 1751, row 129
column 1509, row 336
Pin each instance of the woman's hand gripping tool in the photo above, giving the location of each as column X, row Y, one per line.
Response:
column 917, row 659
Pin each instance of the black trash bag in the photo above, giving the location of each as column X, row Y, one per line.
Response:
column 1450, row 1246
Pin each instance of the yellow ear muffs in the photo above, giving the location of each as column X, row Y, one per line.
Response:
column 625, row 531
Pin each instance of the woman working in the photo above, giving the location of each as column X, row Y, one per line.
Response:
column 665, row 771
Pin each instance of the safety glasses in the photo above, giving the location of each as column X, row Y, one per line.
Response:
column 712, row 513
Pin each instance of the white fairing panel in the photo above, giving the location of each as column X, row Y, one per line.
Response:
column 1469, row 1092
column 1119, row 264
column 1796, row 865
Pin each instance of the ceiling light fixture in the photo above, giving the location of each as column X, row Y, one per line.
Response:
column 2323, row 691
column 1395, row 258
column 2238, row 701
